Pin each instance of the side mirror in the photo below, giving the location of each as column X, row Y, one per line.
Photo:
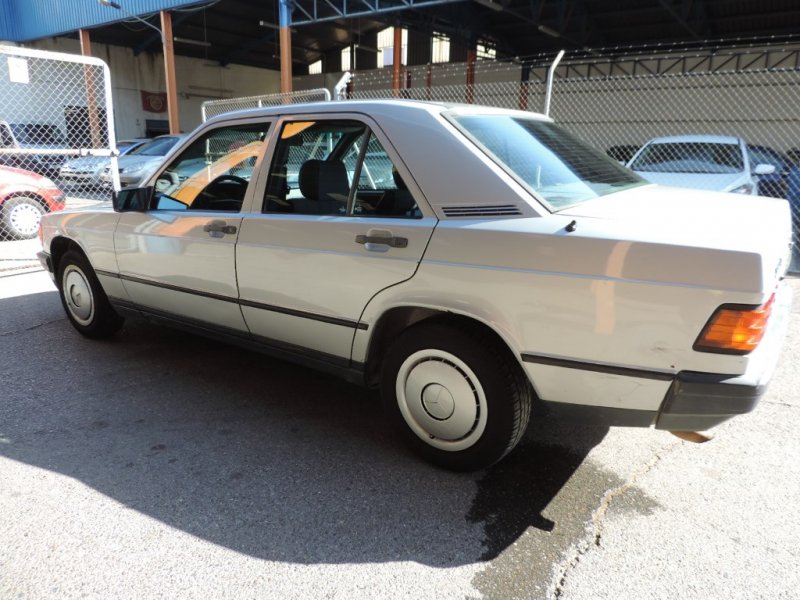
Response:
column 132, row 199
column 764, row 169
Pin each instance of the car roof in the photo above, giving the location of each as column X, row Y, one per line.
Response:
column 698, row 139
column 400, row 106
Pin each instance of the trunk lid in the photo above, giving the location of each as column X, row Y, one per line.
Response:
column 732, row 224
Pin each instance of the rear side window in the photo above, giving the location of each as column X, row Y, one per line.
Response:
column 555, row 165
column 336, row 168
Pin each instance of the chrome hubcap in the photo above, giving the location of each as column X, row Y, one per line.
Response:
column 441, row 400
column 78, row 295
column 25, row 218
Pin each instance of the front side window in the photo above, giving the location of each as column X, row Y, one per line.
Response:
column 690, row 157
column 554, row 164
column 315, row 164
column 213, row 172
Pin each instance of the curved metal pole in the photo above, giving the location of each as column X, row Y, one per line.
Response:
column 550, row 75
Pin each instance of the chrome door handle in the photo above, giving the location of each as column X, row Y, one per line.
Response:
column 393, row 241
column 218, row 228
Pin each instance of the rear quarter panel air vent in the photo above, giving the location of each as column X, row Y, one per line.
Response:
column 482, row 210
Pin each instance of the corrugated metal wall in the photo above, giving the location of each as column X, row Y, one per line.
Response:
column 26, row 20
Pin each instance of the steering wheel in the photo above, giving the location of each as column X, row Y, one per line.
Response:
column 210, row 189
column 167, row 182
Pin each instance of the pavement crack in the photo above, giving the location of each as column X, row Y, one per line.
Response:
column 31, row 328
column 786, row 404
column 594, row 528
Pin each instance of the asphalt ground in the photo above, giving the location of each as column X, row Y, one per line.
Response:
column 163, row 465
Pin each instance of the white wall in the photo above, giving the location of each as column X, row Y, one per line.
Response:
column 197, row 80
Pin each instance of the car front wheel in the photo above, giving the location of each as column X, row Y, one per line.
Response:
column 455, row 394
column 84, row 300
column 21, row 216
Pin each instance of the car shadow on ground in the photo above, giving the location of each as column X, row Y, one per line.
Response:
column 258, row 455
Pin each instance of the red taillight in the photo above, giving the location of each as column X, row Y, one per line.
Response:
column 735, row 329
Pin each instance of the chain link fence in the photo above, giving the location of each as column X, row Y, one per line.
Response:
column 212, row 108
column 55, row 136
column 720, row 119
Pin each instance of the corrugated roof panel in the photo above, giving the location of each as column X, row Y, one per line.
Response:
column 26, row 20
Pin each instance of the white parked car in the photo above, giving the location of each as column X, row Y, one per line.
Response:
column 704, row 162
column 503, row 263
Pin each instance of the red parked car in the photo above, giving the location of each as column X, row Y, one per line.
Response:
column 24, row 198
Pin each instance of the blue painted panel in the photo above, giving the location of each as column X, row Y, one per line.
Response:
column 27, row 20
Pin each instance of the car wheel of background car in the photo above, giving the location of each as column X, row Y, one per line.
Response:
column 21, row 216
column 456, row 395
column 84, row 300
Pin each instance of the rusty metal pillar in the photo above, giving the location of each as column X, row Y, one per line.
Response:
column 428, row 81
column 95, row 133
column 169, row 71
column 285, row 35
column 523, row 87
column 472, row 57
column 397, row 61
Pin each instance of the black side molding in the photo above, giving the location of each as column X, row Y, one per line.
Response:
column 596, row 367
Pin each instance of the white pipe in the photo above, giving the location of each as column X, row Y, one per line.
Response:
column 550, row 75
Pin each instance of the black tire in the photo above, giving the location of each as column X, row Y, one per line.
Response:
column 20, row 217
column 83, row 298
column 429, row 377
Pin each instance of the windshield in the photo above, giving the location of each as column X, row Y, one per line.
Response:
column 158, row 147
column 37, row 133
column 555, row 165
column 690, row 157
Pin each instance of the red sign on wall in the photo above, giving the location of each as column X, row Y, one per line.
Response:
column 155, row 102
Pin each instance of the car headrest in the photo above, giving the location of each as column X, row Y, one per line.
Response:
column 324, row 180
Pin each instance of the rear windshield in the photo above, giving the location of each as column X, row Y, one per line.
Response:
column 690, row 157
column 554, row 164
column 158, row 147
column 37, row 133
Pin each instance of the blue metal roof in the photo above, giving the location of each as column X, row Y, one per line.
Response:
column 27, row 20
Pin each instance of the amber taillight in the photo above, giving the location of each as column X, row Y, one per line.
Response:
column 735, row 329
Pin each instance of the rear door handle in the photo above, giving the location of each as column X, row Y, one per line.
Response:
column 218, row 228
column 392, row 241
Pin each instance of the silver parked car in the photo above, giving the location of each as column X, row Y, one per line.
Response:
column 138, row 164
column 467, row 261
column 87, row 170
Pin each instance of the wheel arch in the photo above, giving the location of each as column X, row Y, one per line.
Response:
column 27, row 194
column 398, row 319
column 59, row 246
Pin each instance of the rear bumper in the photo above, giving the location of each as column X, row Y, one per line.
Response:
column 683, row 401
column 698, row 401
column 694, row 402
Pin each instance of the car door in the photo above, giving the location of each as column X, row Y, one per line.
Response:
column 177, row 258
column 341, row 220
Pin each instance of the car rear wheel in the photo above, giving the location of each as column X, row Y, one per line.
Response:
column 84, row 300
column 21, row 216
column 456, row 395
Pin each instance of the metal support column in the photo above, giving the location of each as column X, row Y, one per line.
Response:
column 169, row 72
column 95, row 135
column 472, row 57
column 285, row 35
column 525, row 77
column 397, row 61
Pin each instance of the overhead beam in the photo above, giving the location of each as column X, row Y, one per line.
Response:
column 154, row 38
column 308, row 12
column 680, row 16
